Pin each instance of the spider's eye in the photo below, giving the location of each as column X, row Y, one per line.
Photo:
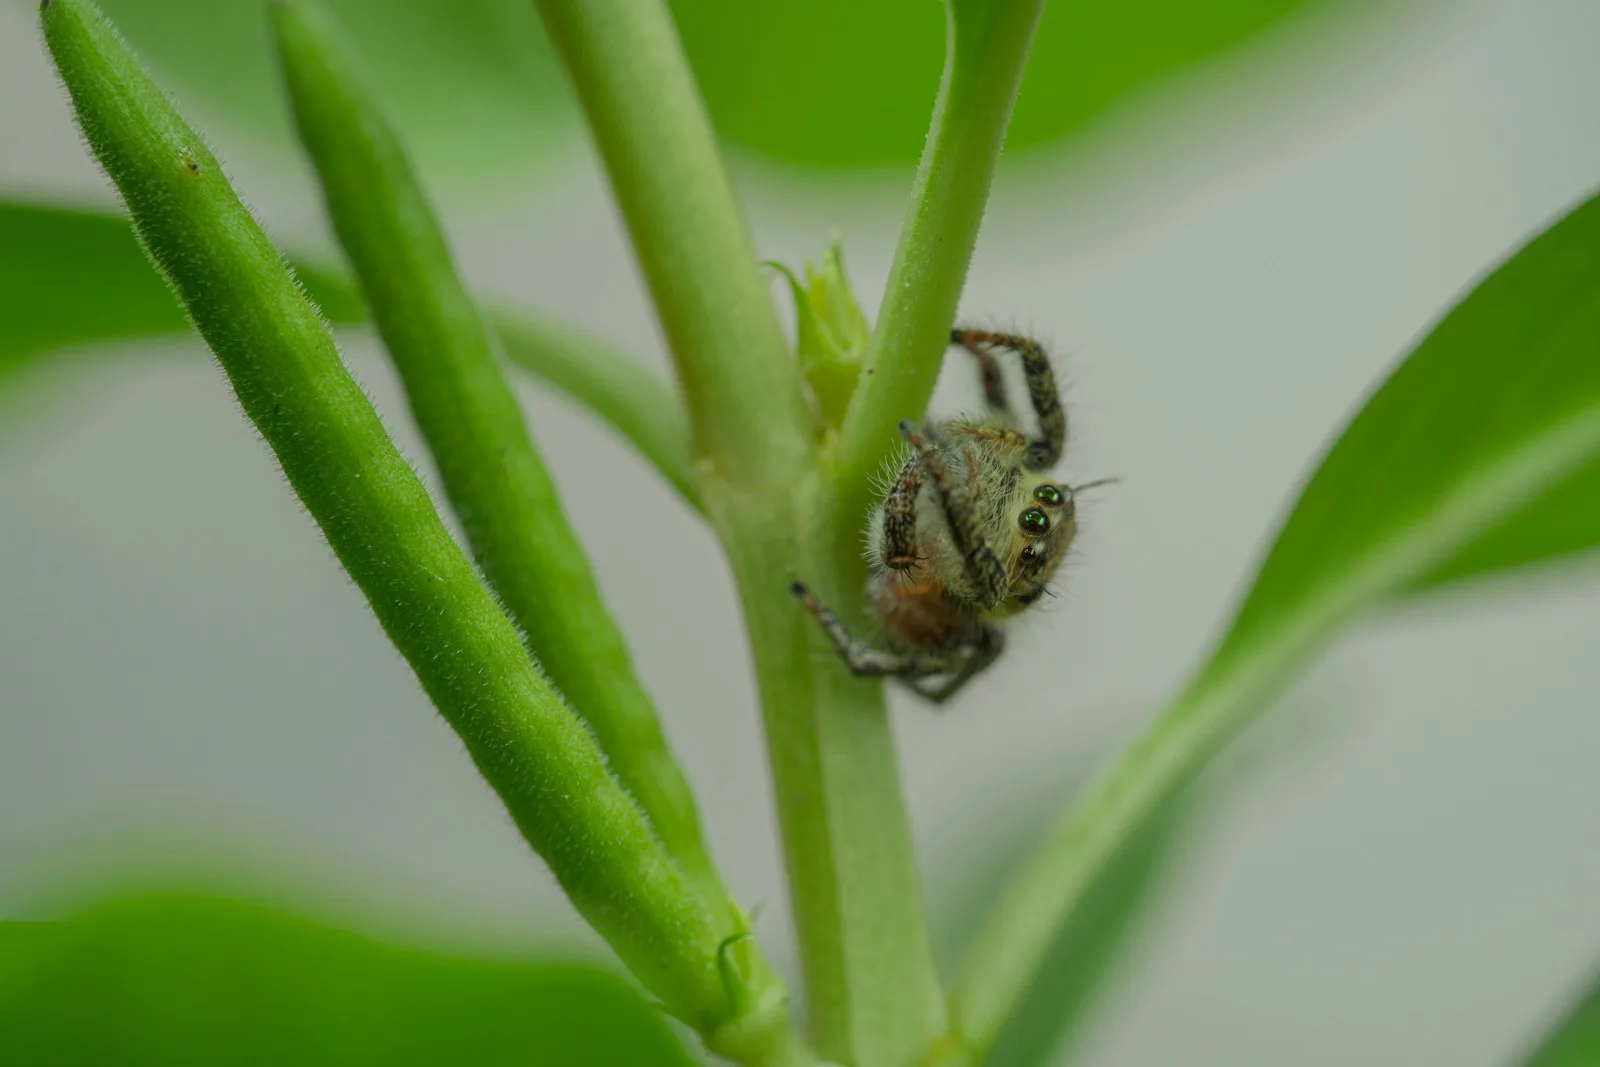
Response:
column 1034, row 521
column 1030, row 554
column 1048, row 495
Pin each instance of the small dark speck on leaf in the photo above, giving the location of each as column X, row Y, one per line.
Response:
column 872, row 370
column 276, row 408
column 192, row 167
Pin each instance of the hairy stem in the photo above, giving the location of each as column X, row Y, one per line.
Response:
column 495, row 478
column 985, row 54
column 276, row 350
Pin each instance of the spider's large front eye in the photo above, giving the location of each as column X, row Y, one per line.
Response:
column 1048, row 495
column 1033, row 521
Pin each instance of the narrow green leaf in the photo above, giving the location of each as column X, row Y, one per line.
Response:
column 71, row 277
column 175, row 980
column 1575, row 1042
column 495, row 478
column 1482, row 430
column 277, row 352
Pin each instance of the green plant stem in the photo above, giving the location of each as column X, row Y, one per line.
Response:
column 873, row 995
column 747, row 412
column 632, row 401
column 495, row 478
column 872, row 991
column 986, row 52
column 275, row 348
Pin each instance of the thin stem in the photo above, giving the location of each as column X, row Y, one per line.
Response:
column 276, row 350
column 495, row 478
column 747, row 412
column 632, row 401
column 986, row 52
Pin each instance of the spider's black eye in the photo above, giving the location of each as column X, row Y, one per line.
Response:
column 1034, row 521
column 1030, row 554
column 1048, row 495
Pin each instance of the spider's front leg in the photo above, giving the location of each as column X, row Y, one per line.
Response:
column 960, row 505
column 1044, row 451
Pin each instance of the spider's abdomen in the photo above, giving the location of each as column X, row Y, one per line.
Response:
column 913, row 609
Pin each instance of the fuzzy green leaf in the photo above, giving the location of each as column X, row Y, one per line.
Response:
column 183, row 981
column 275, row 348
column 1490, row 425
column 494, row 476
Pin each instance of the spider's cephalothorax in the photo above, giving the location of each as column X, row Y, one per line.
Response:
column 969, row 532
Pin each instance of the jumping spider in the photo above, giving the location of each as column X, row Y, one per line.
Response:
column 964, row 536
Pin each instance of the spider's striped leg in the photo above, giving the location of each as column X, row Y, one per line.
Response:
column 976, row 658
column 1045, row 450
column 899, row 547
column 994, row 382
column 960, row 502
column 861, row 658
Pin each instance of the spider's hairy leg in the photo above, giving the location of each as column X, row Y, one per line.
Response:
column 899, row 547
column 994, row 382
column 960, row 504
column 862, row 659
column 976, row 658
column 1045, row 451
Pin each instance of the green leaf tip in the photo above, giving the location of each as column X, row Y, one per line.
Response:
column 831, row 334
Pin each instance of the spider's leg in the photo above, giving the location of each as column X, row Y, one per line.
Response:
column 899, row 548
column 1045, row 450
column 861, row 658
column 976, row 658
column 960, row 502
column 994, row 382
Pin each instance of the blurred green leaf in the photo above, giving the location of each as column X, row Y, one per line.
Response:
column 1481, row 452
column 1092, row 944
column 479, row 96
column 1575, row 1042
column 78, row 277
column 472, row 84
column 178, row 980
column 838, row 83
column 1490, row 428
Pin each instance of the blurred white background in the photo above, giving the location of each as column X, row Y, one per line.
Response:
column 1410, row 873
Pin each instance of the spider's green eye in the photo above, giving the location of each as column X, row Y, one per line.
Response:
column 1034, row 521
column 1048, row 495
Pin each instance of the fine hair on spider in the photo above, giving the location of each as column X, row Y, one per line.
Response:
column 969, row 532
